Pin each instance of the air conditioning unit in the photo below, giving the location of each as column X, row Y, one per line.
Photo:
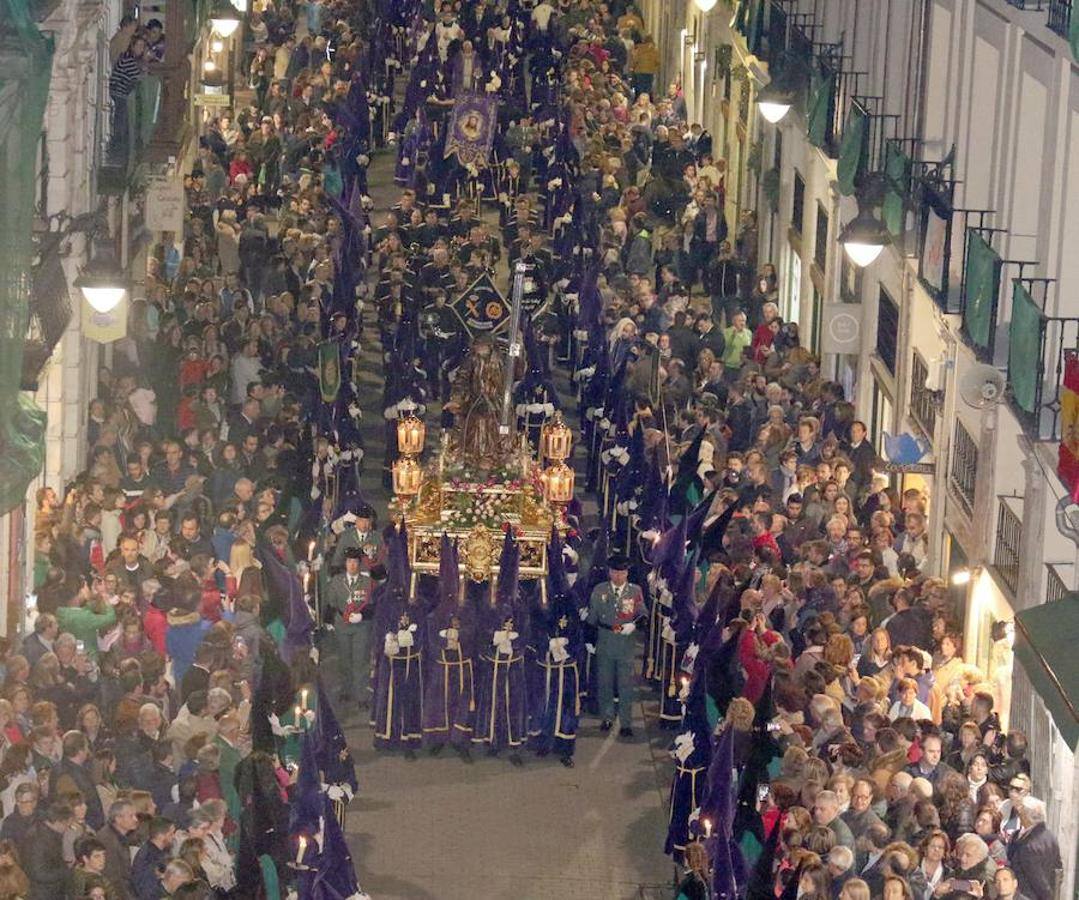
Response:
column 936, row 375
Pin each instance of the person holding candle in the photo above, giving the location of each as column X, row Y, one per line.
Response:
column 350, row 612
column 615, row 607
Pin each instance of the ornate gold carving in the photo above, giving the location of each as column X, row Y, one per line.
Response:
column 478, row 553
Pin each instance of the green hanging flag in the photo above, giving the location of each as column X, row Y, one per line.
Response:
column 853, row 151
column 897, row 169
column 329, row 370
column 819, row 114
column 755, row 29
column 1073, row 33
column 22, row 102
column 1025, row 349
column 981, row 284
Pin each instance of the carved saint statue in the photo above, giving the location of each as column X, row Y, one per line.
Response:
column 475, row 402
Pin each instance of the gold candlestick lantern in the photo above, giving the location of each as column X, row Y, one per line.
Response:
column 411, row 433
column 558, row 483
column 407, row 477
column 556, row 439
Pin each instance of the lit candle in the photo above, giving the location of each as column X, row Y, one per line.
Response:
column 303, row 698
column 306, row 581
column 299, row 718
column 707, row 828
column 311, row 551
column 300, row 850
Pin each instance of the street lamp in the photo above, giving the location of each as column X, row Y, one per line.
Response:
column 705, row 5
column 773, row 102
column 102, row 284
column 864, row 237
column 224, row 18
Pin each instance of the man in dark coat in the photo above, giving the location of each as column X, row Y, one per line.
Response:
column 71, row 774
column 1033, row 853
column 43, row 856
column 123, row 820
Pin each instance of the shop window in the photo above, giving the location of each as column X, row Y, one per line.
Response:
column 820, row 247
column 964, row 471
column 798, row 205
column 887, row 330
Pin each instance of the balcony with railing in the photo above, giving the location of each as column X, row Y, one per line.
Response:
column 1060, row 17
column 119, row 152
column 963, row 475
column 1058, row 580
column 923, row 404
column 1039, row 348
column 1009, row 542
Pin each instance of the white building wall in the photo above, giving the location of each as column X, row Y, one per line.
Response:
column 69, row 380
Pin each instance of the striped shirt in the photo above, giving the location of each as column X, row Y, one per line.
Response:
column 125, row 75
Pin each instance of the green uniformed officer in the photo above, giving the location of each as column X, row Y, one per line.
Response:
column 614, row 608
column 362, row 536
column 348, row 595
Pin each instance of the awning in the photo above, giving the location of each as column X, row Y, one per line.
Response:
column 1047, row 645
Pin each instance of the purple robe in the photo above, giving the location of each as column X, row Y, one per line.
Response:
column 449, row 705
column 556, row 706
column 398, row 706
column 501, row 703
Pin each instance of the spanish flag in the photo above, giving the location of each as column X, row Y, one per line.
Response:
column 1068, row 464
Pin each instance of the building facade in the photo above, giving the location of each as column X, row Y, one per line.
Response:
column 971, row 110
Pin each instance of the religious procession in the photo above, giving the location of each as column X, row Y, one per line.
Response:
column 505, row 447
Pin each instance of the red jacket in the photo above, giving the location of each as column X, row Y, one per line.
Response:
column 155, row 624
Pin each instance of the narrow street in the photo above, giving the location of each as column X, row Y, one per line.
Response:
column 437, row 828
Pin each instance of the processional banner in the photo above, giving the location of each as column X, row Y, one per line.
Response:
column 472, row 129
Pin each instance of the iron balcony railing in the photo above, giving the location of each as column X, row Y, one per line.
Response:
column 964, row 471
column 923, row 407
column 1056, row 586
column 1054, row 338
column 1009, row 544
column 1060, row 17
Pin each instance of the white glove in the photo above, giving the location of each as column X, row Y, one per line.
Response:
column 583, row 613
column 591, row 648
column 406, row 637
column 557, row 647
column 328, row 627
column 316, row 563
column 390, row 647
column 628, row 628
column 355, row 618
column 668, row 632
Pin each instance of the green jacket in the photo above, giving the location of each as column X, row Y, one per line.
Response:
column 340, row 595
column 350, row 538
column 605, row 609
column 84, row 624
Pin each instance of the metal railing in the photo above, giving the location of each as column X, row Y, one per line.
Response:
column 1056, row 587
column 923, row 407
column 1060, row 17
column 1029, row 5
column 1009, row 544
column 1059, row 335
column 964, row 471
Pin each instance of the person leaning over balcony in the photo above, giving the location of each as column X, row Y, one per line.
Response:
column 129, row 68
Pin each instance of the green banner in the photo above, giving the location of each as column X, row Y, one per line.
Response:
column 329, row 370
column 1025, row 349
column 853, row 151
column 1073, row 33
column 981, row 285
column 819, row 113
column 897, row 169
